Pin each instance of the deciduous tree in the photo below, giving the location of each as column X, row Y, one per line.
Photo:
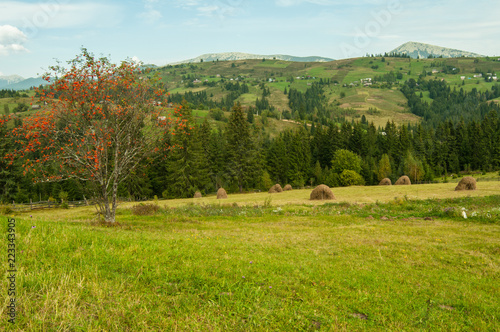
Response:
column 101, row 121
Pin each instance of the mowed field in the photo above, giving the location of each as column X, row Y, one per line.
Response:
column 375, row 258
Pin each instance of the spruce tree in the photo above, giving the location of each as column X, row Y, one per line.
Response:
column 242, row 164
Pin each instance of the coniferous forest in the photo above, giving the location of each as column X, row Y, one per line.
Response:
column 459, row 133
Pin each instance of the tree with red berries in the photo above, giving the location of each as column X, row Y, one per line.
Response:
column 101, row 120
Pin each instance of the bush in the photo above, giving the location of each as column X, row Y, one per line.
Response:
column 143, row 209
column 6, row 210
column 351, row 178
column 346, row 160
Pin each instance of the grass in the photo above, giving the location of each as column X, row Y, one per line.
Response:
column 251, row 263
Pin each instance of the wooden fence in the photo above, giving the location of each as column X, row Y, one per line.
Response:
column 42, row 205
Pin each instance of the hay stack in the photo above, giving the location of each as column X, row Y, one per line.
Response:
column 385, row 182
column 275, row 189
column 404, row 180
column 221, row 193
column 321, row 192
column 467, row 183
column 287, row 187
column 197, row 195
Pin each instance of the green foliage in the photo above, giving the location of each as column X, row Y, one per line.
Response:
column 351, row 178
column 332, row 178
column 6, row 210
column 265, row 181
column 187, row 165
column 413, row 168
column 346, row 160
column 384, row 168
column 63, row 196
column 217, row 114
column 242, row 162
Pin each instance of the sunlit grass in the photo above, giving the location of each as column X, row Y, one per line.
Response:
column 376, row 258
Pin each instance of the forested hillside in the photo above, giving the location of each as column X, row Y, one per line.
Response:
column 350, row 122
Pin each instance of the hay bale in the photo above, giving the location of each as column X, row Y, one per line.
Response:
column 197, row 195
column 275, row 189
column 467, row 183
column 404, row 180
column 221, row 193
column 287, row 187
column 385, row 182
column 321, row 192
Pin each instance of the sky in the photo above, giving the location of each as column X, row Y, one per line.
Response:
column 36, row 34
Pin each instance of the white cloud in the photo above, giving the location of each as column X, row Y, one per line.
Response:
column 289, row 3
column 11, row 40
column 188, row 3
column 30, row 17
column 136, row 60
column 150, row 13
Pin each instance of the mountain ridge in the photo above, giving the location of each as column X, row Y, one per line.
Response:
column 16, row 82
column 234, row 56
column 421, row 50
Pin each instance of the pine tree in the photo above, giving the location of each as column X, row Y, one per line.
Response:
column 187, row 166
column 242, row 164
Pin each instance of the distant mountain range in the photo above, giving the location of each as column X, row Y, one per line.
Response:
column 233, row 56
column 421, row 50
column 413, row 49
column 16, row 82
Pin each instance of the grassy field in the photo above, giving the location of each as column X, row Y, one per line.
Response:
column 376, row 258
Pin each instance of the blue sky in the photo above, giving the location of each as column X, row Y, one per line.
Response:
column 35, row 33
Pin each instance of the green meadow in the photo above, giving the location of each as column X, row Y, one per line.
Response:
column 391, row 258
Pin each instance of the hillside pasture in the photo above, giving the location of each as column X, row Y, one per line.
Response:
column 377, row 258
column 388, row 105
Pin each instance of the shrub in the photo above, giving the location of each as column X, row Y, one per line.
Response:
column 6, row 210
column 143, row 209
column 351, row 178
column 345, row 159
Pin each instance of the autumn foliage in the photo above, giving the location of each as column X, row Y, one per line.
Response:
column 99, row 122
